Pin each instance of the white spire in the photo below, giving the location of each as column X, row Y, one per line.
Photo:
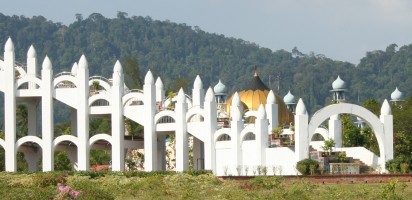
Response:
column 209, row 95
column 118, row 67
column 301, row 108
column 47, row 63
column 181, row 96
column 148, row 79
column 386, row 108
column 198, row 83
column 9, row 45
column 271, row 98
column 159, row 83
column 74, row 69
column 31, row 53
column 83, row 62
column 261, row 113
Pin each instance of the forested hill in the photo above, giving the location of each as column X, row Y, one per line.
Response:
column 178, row 52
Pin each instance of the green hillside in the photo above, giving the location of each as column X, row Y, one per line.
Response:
column 178, row 52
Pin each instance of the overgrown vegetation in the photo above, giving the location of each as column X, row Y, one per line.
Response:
column 168, row 185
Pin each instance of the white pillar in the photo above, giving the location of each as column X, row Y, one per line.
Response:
column 160, row 93
column 335, row 130
column 272, row 110
column 386, row 118
column 261, row 134
column 210, row 125
column 83, row 110
column 9, row 107
column 150, row 137
column 182, row 143
column 117, row 119
column 236, row 128
column 47, row 115
column 301, row 132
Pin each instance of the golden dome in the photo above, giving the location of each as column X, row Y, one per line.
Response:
column 255, row 94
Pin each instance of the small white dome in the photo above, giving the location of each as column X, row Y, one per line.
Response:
column 289, row 98
column 396, row 95
column 271, row 98
column 74, row 69
column 220, row 88
column 83, row 63
column 386, row 108
column 148, row 79
column 118, row 67
column 9, row 46
column 210, row 96
column 181, row 98
column 159, row 83
column 198, row 83
column 47, row 65
column 338, row 84
column 301, row 108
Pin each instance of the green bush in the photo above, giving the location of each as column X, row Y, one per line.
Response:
column 304, row 166
column 394, row 165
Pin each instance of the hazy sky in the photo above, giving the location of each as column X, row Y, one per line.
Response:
column 340, row 29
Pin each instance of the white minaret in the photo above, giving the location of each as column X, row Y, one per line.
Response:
column 386, row 118
column 338, row 90
column 47, row 115
column 210, row 125
column 117, row 118
column 83, row 110
column 10, row 106
column 272, row 110
column 290, row 102
column 301, row 132
column 160, row 92
column 150, row 137
column 236, row 127
column 182, row 142
column 262, row 134
column 396, row 96
column 32, row 105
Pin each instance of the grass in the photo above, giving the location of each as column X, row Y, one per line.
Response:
column 186, row 186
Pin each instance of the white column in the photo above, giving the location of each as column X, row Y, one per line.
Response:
column 272, row 111
column 10, row 107
column 261, row 134
column 301, row 132
column 47, row 115
column 335, row 130
column 386, row 118
column 83, row 110
column 210, row 125
column 182, row 143
column 117, row 119
column 150, row 137
column 236, row 128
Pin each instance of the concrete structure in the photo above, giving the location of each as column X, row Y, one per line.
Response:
column 240, row 148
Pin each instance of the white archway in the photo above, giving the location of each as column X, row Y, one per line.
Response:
column 346, row 108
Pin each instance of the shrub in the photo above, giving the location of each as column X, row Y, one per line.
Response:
column 304, row 166
column 265, row 182
column 394, row 165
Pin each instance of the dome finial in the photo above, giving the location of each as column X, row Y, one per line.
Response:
column 210, row 96
column 386, row 108
column 198, row 83
column 255, row 67
column 74, row 69
column 396, row 95
column 159, row 83
column 181, row 98
column 31, row 53
column 301, row 108
column 261, row 112
column 148, row 79
column 271, row 98
column 9, row 46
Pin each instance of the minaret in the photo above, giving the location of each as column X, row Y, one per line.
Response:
column 210, row 125
column 386, row 118
column 339, row 89
column 83, row 110
column 220, row 96
column 47, row 115
column 150, row 137
column 117, row 118
column 160, row 94
column 10, row 106
column 301, row 132
column 182, row 150
column 32, row 105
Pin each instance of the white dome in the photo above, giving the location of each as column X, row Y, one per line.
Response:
column 220, row 88
column 396, row 95
column 289, row 98
column 338, row 84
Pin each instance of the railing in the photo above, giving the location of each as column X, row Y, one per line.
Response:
column 100, row 102
column 165, row 120
column 101, row 78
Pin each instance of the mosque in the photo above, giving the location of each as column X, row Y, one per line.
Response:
column 253, row 129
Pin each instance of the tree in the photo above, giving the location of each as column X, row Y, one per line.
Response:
column 328, row 145
column 132, row 76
